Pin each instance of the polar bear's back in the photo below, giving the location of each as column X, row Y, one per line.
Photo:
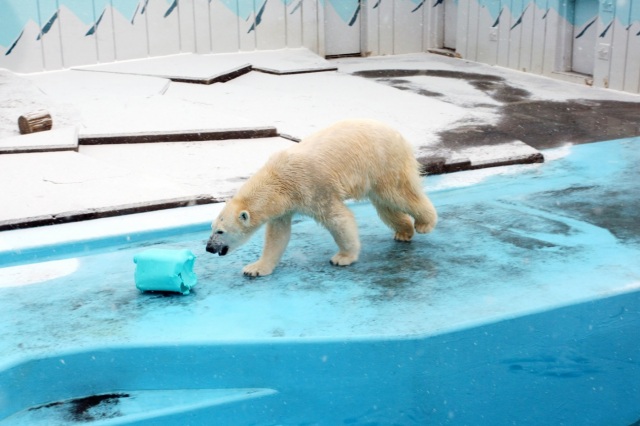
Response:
column 362, row 134
column 353, row 155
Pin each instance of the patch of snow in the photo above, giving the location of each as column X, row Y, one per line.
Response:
column 56, row 182
column 540, row 87
column 183, row 66
column 300, row 104
column 35, row 273
column 21, row 96
column 557, row 153
column 62, row 138
column 77, row 87
column 202, row 67
column 284, row 60
column 212, row 167
column 472, row 177
column 488, row 154
column 157, row 114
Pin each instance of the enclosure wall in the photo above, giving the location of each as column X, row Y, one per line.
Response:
column 592, row 41
column 40, row 35
column 597, row 41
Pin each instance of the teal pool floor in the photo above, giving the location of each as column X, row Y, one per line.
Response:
column 522, row 307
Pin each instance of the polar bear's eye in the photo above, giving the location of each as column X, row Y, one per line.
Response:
column 219, row 232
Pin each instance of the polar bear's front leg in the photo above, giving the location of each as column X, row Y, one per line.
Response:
column 344, row 229
column 275, row 241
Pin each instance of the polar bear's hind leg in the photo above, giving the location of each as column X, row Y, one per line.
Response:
column 400, row 222
column 404, row 197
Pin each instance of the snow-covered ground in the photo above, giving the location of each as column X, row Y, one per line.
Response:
column 540, row 87
column 102, row 103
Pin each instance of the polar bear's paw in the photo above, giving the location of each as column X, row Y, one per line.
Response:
column 257, row 269
column 424, row 228
column 343, row 259
column 403, row 236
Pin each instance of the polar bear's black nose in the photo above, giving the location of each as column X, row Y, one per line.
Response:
column 217, row 248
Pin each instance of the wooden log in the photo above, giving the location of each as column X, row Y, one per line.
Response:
column 36, row 121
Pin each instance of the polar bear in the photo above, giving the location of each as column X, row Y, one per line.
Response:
column 353, row 159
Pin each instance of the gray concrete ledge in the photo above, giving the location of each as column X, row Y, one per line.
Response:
column 179, row 136
column 100, row 213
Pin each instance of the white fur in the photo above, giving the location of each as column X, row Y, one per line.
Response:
column 351, row 159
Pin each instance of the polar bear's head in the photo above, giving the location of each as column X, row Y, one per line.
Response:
column 231, row 229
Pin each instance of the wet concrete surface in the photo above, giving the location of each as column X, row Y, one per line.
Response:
column 539, row 123
column 544, row 124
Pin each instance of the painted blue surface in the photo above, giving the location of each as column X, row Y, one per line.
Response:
column 585, row 10
column 243, row 8
column 15, row 14
column 523, row 306
column 346, row 9
column 571, row 366
column 14, row 17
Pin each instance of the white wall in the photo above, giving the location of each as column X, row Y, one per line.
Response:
column 535, row 36
column 539, row 36
column 400, row 26
column 57, row 34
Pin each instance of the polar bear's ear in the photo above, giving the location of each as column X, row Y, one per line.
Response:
column 244, row 217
